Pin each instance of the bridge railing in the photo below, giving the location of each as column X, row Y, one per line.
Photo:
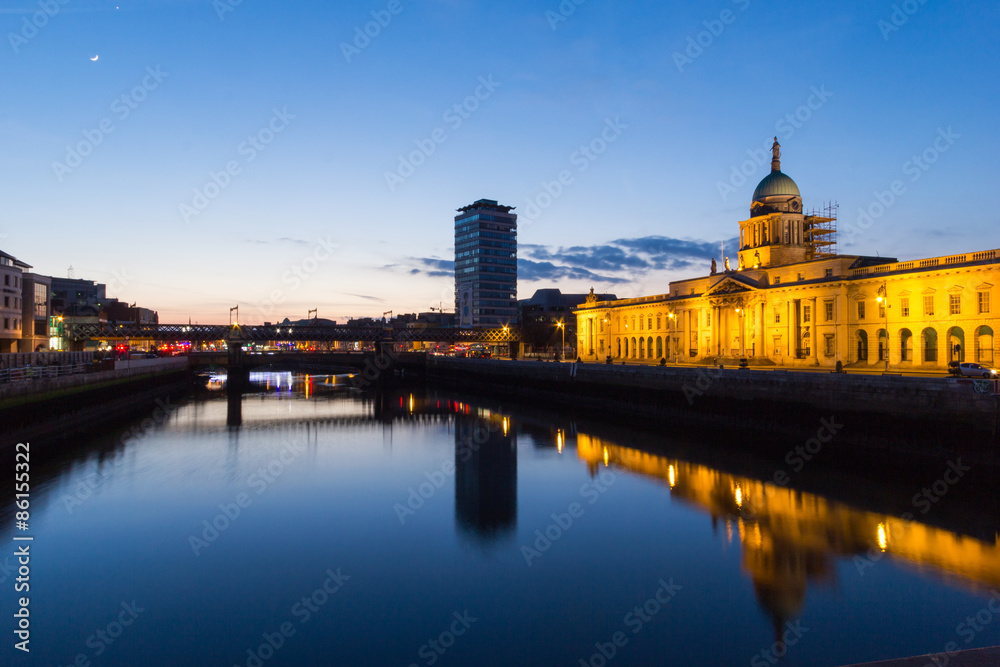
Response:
column 27, row 373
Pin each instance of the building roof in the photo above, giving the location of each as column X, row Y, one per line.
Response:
column 775, row 184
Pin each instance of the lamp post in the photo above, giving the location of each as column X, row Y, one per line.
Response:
column 883, row 302
column 562, row 350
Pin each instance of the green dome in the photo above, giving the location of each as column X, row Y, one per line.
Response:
column 776, row 183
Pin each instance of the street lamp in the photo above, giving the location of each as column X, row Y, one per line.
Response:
column 562, row 352
column 883, row 302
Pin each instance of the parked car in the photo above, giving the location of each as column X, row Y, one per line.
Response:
column 969, row 369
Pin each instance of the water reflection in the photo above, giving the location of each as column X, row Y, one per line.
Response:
column 485, row 476
column 790, row 539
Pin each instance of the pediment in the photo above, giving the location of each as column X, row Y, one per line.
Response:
column 955, row 289
column 728, row 286
column 929, row 290
column 905, row 292
column 984, row 287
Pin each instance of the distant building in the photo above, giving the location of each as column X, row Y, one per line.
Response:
column 541, row 314
column 36, row 314
column 791, row 299
column 11, row 311
column 485, row 265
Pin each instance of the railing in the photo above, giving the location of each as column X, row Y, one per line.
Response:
column 41, row 372
column 952, row 260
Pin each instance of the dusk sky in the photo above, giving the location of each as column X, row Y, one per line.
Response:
column 347, row 154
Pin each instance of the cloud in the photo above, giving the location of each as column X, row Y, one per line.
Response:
column 283, row 239
column 617, row 262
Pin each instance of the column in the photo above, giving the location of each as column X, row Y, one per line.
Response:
column 815, row 335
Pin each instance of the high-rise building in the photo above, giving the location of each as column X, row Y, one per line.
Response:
column 486, row 265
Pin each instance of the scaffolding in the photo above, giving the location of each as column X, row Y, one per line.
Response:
column 820, row 227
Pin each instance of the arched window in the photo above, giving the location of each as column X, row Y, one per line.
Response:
column 659, row 347
column 956, row 344
column 905, row 345
column 642, row 348
column 649, row 347
column 929, row 339
column 862, row 345
column 619, row 355
column 984, row 345
column 883, row 344
column 635, row 352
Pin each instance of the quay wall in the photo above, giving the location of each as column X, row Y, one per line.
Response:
column 937, row 417
column 15, row 394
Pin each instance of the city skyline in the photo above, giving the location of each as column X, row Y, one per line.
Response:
column 284, row 160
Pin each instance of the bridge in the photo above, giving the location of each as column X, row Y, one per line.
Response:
column 209, row 333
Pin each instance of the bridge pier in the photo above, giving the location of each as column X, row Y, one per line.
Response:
column 237, row 371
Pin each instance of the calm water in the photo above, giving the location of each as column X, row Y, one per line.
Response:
column 327, row 528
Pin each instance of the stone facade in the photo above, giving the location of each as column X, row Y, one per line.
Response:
column 791, row 301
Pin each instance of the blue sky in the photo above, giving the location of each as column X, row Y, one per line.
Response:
column 289, row 136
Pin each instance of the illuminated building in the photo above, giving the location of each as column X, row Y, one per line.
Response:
column 12, row 271
column 485, row 265
column 791, row 299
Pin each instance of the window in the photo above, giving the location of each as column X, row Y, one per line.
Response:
column 807, row 313
column 954, row 304
column 828, row 345
column 828, row 273
column 659, row 321
column 6, row 302
column 930, row 345
column 929, row 305
column 984, row 303
column 828, row 307
column 6, row 280
column 649, row 322
column 642, row 322
column 777, row 316
column 708, row 318
column 861, row 310
column 904, row 306
column 6, row 323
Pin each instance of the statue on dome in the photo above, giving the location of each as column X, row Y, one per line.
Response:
column 776, row 149
column 714, row 267
column 727, row 265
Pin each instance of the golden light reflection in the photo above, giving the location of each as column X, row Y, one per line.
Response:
column 308, row 386
column 605, row 457
column 559, row 440
column 411, row 404
column 789, row 527
column 506, row 425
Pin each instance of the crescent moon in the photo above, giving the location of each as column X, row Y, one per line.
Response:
column 95, row 58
